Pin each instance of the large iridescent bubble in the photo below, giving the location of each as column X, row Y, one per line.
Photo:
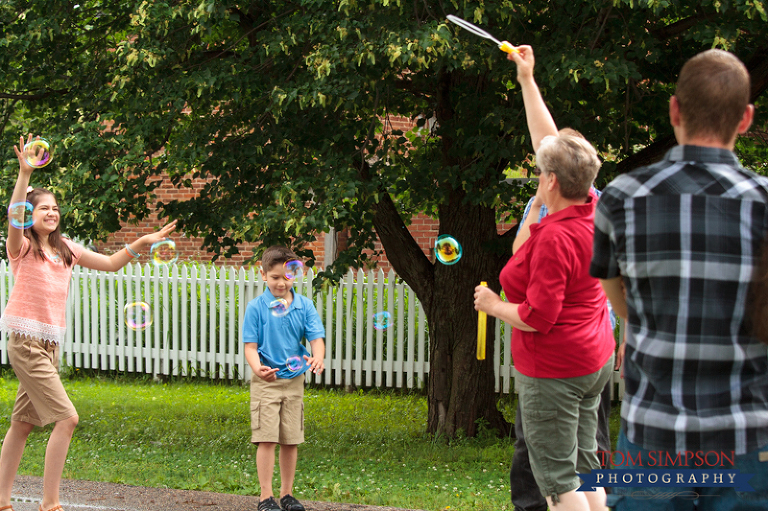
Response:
column 447, row 249
column 38, row 153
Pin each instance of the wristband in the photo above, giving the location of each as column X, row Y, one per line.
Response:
column 130, row 251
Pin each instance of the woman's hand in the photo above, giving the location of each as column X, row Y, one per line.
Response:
column 524, row 60
column 485, row 299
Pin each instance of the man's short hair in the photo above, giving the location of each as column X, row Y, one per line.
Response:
column 713, row 92
column 572, row 159
column 276, row 254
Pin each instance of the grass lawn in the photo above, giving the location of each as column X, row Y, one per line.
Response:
column 365, row 448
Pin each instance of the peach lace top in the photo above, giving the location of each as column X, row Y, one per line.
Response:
column 37, row 305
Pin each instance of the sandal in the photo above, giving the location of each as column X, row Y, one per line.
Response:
column 54, row 508
column 7, row 507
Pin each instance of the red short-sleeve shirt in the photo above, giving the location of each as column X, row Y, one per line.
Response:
column 549, row 277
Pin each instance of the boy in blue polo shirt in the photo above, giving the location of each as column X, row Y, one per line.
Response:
column 274, row 327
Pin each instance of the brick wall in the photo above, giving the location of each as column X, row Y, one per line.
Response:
column 188, row 248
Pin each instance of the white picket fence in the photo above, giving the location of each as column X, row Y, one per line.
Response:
column 198, row 312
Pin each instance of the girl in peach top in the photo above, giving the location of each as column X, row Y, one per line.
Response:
column 41, row 261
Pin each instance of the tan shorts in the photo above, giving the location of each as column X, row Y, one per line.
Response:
column 277, row 411
column 41, row 398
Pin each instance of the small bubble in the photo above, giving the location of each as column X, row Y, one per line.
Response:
column 294, row 269
column 163, row 252
column 138, row 315
column 20, row 215
column 381, row 320
column 294, row 363
column 279, row 307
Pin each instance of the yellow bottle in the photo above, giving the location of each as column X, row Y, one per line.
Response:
column 481, row 322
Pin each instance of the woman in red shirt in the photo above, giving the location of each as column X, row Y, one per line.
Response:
column 562, row 343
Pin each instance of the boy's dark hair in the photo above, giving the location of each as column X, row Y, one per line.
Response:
column 276, row 254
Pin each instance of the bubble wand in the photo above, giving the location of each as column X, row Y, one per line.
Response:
column 504, row 46
column 481, row 321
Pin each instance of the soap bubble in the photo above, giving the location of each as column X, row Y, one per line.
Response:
column 163, row 252
column 294, row 269
column 279, row 307
column 20, row 214
column 447, row 249
column 294, row 363
column 381, row 321
column 138, row 315
column 38, row 153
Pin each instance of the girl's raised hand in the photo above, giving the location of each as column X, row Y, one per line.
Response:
column 24, row 167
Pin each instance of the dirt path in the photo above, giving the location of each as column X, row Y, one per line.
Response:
column 95, row 496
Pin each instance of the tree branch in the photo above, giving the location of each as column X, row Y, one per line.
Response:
column 681, row 26
column 33, row 97
column 404, row 253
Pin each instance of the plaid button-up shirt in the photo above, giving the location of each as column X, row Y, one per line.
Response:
column 685, row 234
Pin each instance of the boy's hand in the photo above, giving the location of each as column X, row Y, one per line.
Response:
column 316, row 365
column 267, row 373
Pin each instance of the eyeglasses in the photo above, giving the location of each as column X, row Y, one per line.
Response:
column 536, row 171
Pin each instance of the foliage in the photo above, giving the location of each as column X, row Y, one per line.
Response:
column 285, row 109
column 279, row 103
column 752, row 148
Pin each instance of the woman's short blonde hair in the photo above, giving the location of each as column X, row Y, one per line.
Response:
column 572, row 159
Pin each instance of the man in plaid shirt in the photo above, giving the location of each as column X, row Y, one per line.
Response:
column 683, row 237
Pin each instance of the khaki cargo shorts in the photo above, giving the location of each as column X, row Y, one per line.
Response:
column 277, row 410
column 41, row 398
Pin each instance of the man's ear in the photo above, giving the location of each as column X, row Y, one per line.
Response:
column 746, row 119
column 674, row 112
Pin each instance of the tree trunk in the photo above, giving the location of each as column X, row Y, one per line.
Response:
column 461, row 389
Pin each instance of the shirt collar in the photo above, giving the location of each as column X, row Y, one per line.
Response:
column 701, row 154
column 575, row 211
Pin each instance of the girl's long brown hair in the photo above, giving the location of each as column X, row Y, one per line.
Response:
column 55, row 239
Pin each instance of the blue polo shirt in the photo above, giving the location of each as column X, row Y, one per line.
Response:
column 281, row 337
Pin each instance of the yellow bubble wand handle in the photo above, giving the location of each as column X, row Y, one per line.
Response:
column 482, row 319
column 507, row 47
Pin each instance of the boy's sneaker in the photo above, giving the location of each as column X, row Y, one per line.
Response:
column 288, row 503
column 269, row 504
